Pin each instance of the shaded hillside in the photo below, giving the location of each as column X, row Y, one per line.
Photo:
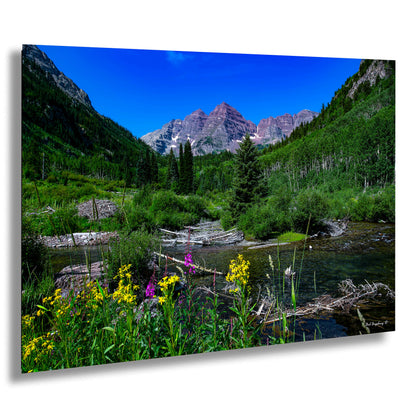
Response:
column 62, row 131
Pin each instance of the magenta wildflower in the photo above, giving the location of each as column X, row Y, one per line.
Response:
column 188, row 260
column 150, row 289
column 189, row 263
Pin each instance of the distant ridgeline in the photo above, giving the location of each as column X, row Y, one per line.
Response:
column 222, row 130
column 352, row 141
column 61, row 131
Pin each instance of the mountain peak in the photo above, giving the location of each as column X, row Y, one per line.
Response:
column 224, row 106
column 223, row 129
column 198, row 112
column 34, row 54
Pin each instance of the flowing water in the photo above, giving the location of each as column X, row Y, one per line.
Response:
column 365, row 252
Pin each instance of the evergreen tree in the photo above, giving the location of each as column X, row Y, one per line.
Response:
column 168, row 175
column 188, row 168
column 147, row 167
column 154, row 168
column 182, row 175
column 143, row 169
column 32, row 160
column 126, row 171
column 173, row 173
column 248, row 183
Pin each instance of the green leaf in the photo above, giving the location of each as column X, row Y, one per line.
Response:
column 109, row 348
column 100, row 289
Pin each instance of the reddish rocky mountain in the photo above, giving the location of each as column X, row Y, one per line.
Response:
column 222, row 129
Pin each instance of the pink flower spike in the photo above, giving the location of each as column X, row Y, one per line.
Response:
column 150, row 289
column 188, row 260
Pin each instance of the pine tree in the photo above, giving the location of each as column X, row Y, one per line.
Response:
column 147, row 167
column 248, row 183
column 188, row 161
column 182, row 178
column 32, row 161
column 173, row 173
column 154, row 168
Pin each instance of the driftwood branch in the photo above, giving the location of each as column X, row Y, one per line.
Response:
column 208, row 290
column 352, row 295
column 197, row 267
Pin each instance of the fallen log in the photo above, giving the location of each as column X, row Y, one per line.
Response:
column 185, row 241
column 225, row 234
column 204, row 234
column 198, row 267
column 173, row 233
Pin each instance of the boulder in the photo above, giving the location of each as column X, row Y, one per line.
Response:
column 104, row 209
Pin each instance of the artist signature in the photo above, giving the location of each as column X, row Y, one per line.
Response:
column 376, row 323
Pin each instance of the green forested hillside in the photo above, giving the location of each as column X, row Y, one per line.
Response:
column 60, row 134
column 340, row 165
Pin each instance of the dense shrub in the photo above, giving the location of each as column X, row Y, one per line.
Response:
column 384, row 206
column 175, row 220
column 309, row 205
column 375, row 207
column 166, row 201
column 138, row 217
column 264, row 220
column 172, row 211
column 143, row 197
column 195, row 205
column 64, row 220
column 227, row 221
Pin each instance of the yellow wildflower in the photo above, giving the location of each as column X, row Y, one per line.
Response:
column 125, row 290
column 238, row 273
column 167, row 281
column 27, row 321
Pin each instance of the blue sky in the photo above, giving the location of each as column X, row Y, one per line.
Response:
column 144, row 89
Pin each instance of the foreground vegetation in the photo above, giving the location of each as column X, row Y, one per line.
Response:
column 99, row 326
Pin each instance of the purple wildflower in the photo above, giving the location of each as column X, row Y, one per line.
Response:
column 150, row 289
column 189, row 262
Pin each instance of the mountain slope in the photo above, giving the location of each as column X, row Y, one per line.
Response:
column 34, row 54
column 351, row 143
column 59, row 121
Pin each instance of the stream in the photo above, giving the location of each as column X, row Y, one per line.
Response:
column 365, row 252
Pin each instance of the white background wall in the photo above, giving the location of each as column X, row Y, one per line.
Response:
column 375, row 367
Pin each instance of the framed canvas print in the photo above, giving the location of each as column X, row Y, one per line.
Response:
column 177, row 203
